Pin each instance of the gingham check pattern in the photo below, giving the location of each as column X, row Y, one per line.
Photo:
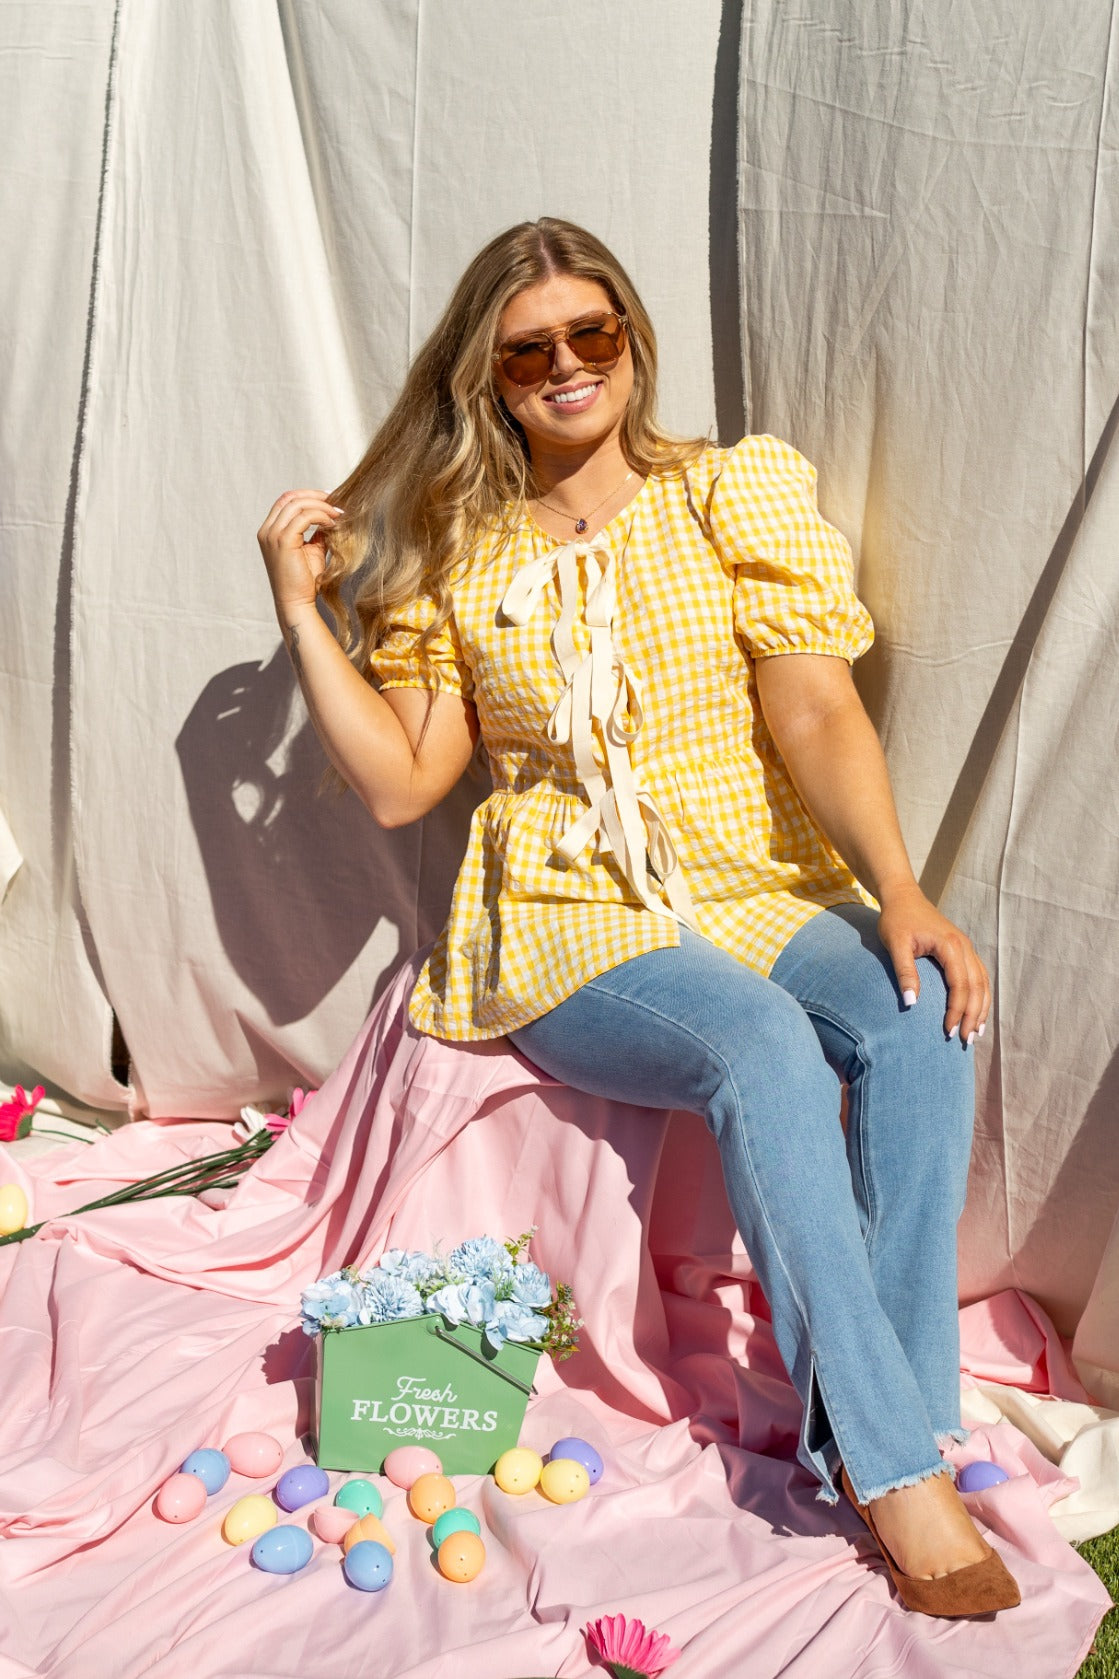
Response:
column 724, row 565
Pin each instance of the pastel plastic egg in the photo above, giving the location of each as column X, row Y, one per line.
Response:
column 430, row 1496
column 564, row 1481
column 282, row 1550
column 249, row 1517
column 211, row 1467
column 406, row 1464
column 362, row 1497
column 254, row 1454
column 454, row 1521
column 14, row 1209
column 978, row 1476
column 180, row 1499
column 518, row 1469
column 368, row 1528
column 332, row 1522
column 301, row 1485
column 583, row 1452
column 461, row 1556
column 368, row 1566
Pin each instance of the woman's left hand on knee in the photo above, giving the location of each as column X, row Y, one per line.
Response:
column 910, row 926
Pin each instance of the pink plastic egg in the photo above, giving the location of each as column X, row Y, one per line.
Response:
column 254, row 1454
column 332, row 1523
column 180, row 1499
column 406, row 1464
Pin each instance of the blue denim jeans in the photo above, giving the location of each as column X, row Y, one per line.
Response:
column 853, row 1239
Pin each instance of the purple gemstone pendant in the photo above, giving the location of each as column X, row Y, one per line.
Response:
column 580, row 526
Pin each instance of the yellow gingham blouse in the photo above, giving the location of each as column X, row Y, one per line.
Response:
column 635, row 784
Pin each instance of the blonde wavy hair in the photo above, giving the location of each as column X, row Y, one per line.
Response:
column 449, row 459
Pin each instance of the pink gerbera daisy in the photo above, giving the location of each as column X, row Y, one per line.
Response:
column 629, row 1649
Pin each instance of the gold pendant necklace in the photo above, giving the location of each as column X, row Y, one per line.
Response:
column 581, row 523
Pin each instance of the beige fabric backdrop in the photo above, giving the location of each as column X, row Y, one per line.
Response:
column 924, row 305
column 929, row 251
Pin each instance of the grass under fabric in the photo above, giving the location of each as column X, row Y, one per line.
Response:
column 1103, row 1555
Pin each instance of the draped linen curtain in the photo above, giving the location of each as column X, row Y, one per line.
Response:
column 886, row 233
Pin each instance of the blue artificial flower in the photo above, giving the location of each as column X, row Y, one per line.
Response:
column 481, row 1259
column 334, row 1302
column 412, row 1264
column 464, row 1302
column 512, row 1322
column 385, row 1298
column 531, row 1285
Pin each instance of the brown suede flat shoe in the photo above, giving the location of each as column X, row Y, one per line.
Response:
column 982, row 1588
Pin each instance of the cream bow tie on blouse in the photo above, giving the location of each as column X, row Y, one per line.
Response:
column 601, row 698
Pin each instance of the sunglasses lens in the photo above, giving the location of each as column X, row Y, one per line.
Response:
column 528, row 364
column 599, row 344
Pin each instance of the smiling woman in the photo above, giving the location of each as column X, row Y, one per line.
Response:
column 667, row 898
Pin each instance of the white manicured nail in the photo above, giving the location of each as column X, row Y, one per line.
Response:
column 982, row 1028
column 953, row 1032
column 909, row 997
column 970, row 1039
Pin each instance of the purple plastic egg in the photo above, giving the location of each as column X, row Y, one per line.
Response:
column 582, row 1452
column 180, row 1499
column 978, row 1476
column 301, row 1485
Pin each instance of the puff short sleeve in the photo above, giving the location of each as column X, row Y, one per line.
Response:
column 794, row 577
column 398, row 663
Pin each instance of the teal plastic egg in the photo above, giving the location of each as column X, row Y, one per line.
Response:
column 454, row 1521
column 362, row 1497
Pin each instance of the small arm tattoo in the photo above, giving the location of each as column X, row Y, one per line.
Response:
column 293, row 649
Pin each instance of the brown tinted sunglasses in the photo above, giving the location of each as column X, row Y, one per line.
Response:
column 597, row 341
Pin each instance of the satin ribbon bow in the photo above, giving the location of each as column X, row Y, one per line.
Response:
column 599, row 715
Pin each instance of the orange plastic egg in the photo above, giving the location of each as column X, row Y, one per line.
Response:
column 430, row 1496
column 564, row 1481
column 461, row 1556
column 368, row 1527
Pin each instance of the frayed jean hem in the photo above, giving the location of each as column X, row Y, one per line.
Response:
column 890, row 1486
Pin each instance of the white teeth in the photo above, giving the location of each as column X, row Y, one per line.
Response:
column 572, row 396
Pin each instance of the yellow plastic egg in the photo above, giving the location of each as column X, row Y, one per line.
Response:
column 248, row 1518
column 564, row 1481
column 368, row 1527
column 518, row 1469
column 14, row 1210
column 430, row 1496
column 461, row 1556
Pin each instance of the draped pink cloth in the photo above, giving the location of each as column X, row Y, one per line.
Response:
column 129, row 1337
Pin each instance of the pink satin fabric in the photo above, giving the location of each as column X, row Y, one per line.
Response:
column 133, row 1335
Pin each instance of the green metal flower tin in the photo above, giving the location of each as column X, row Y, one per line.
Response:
column 422, row 1382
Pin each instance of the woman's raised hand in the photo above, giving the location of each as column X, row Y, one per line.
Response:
column 911, row 926
column 295, row 561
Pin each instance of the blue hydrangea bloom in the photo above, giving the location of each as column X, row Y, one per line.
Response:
column 410, row 1263
column 512, row 1322
column 386, row 1298
column 333, row 1302
column 481, row 1259
column 464, row 1302
column 531, row 1285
